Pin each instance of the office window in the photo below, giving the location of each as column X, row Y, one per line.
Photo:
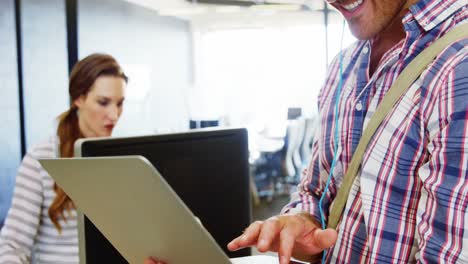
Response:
column 251, row 76
column 10, row 149
column 45, row 66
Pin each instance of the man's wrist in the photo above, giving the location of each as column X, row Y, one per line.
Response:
column 309, row 259
column 308, row 217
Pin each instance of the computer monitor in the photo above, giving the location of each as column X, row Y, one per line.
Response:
column 208, row 169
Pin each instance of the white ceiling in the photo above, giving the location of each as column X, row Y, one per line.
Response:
column 171, row 4
column 263, row 14
column 162, row 4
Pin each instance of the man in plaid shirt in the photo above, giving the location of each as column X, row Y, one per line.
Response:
column 408, row 203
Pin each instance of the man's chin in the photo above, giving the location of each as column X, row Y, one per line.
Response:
column 361, row 31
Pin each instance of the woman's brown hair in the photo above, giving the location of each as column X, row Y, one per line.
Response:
column 82, row 77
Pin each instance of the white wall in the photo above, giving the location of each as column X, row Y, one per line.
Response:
column 155, row 51
column 254, row 68
column 254, row 74
column 10, row 153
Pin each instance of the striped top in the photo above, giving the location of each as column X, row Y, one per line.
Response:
column 409, row 202
column 29, row 236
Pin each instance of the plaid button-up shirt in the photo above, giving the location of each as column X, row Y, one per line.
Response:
column 409, row 202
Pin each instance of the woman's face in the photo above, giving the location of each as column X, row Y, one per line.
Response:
column 100, row 109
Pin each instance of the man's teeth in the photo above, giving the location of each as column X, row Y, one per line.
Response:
column 353, row 6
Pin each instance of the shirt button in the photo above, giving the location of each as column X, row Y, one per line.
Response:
column 365, row 50
column 359, row 106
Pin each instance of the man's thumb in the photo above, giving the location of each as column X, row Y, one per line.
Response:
column 325, row 238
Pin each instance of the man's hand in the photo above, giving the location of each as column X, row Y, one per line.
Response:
column 295, row 235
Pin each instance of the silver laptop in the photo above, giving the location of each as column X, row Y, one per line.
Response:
column 133, row 206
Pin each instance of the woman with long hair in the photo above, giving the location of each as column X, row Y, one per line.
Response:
column 41, row 225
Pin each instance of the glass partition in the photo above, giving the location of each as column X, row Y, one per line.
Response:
column 10, row 148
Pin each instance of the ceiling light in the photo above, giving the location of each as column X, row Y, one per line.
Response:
column 274, row 7
column 227, row 9
column 182, row 11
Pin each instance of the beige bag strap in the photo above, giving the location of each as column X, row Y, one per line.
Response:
column 409, row 75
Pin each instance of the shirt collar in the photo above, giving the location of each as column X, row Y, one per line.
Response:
column 430, row 13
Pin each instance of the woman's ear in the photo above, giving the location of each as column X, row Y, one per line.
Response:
column 78, row 102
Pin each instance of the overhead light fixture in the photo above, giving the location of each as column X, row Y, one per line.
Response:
column 227, row 9
column 287, row 2
column 196, row 10
column 229, row 2
column 276, row 7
